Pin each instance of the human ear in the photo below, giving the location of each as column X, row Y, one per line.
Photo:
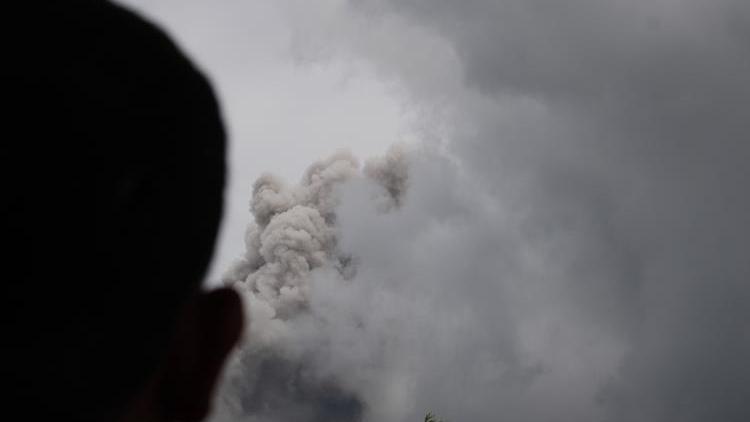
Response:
column 208, row 330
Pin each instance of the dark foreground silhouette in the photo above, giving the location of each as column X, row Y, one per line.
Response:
column 112, row 174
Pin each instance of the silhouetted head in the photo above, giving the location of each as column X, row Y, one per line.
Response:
column 112, row 161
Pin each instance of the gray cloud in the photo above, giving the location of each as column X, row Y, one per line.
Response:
column 577, row 248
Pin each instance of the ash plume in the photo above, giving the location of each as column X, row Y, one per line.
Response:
column 577, row 251
column 594, row 260
column 293, row 236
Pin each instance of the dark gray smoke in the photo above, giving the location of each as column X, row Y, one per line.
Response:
column 270, row 388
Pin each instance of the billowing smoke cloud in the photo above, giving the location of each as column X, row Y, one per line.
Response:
column 577, row 250
column 293, row 241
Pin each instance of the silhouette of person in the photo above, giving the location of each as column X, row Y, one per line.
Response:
column 111, row 177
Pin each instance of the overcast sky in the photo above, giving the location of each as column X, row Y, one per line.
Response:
column 282, row 108
column 571, row 241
